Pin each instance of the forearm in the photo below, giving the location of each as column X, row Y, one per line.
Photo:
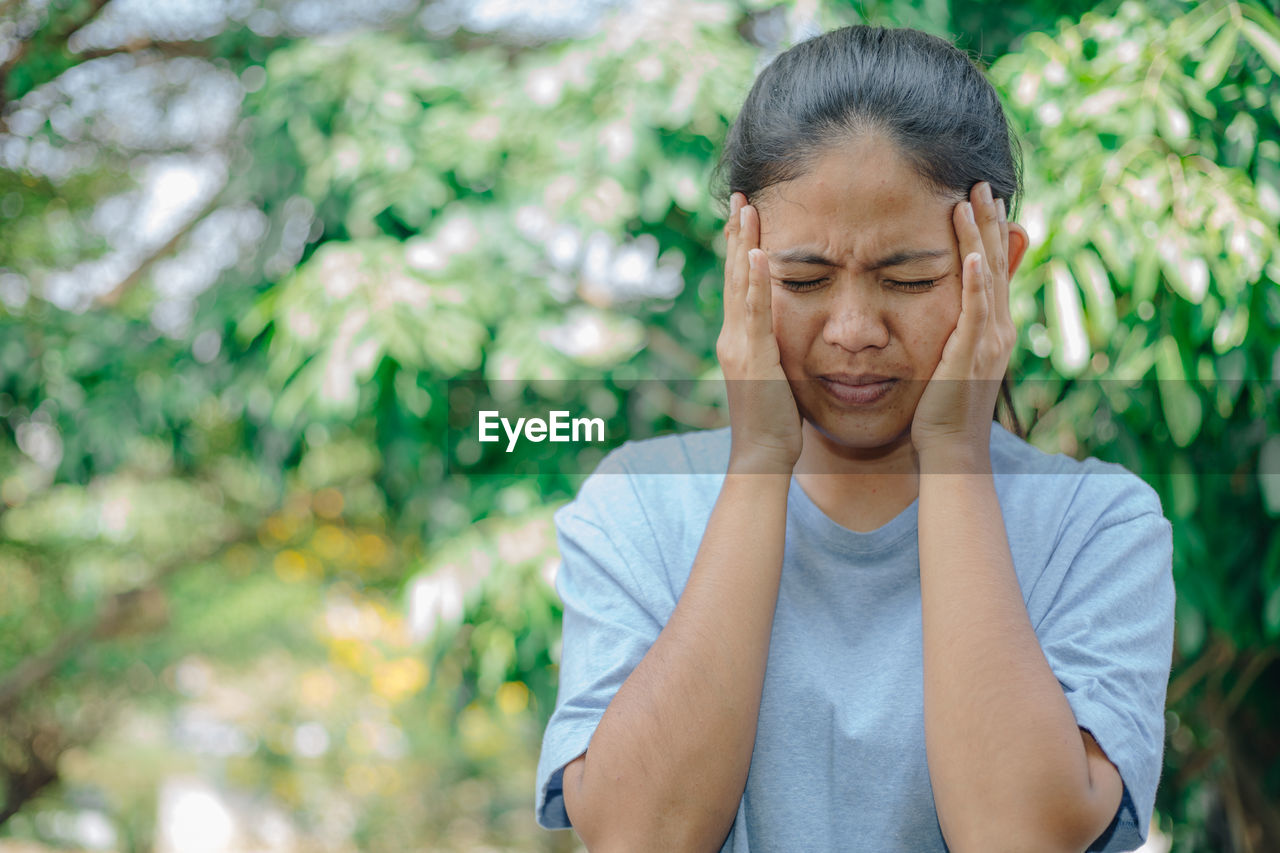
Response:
column 668, row 762
column 1006, row 758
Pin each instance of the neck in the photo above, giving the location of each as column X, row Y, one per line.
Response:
column 861, row 489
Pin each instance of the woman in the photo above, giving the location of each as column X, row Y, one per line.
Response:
column 887, row 623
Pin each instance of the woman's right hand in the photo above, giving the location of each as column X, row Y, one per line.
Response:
column 763, row 417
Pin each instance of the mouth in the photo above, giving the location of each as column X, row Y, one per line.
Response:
column 862, row 389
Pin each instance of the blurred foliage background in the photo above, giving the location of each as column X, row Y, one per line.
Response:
column 246, row 602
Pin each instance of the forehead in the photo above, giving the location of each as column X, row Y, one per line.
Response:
column 857, row 199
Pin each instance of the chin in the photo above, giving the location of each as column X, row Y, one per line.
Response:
column 869, row 433
column 863, row 439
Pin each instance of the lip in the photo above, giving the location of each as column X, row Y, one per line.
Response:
column 859, row 390
column 856, row 378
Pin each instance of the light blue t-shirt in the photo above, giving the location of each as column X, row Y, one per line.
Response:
column 839, row 757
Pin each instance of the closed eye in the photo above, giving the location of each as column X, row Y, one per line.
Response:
column 800, row 285
column 792, row 284
column 916, row 285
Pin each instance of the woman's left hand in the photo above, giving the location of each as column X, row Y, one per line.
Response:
column 955, row 410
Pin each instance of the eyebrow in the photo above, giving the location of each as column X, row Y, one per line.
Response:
column 811, row 257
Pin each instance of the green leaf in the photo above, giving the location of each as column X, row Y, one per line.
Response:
column 1066, row 321
column 1115, row 250
column 1174, row 125
column 1264, row 42
column 1269, row 474
column 1218, row 57
column 1183, row 411
column 1229, row 381
column 1182, row 481
column 1189, row 624
column 1271, row 615
column 1135, row 357
column 1146, row 275
column 1099, row 300
column 1186, row 270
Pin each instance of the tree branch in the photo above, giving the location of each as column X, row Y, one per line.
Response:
column 110, row 619
column 39, row 773
column 60, row 38
column 8, row 65
column 1216, row 655
column 95, row 6
column 1260, row 662
column 1252, row 792
column 42, row 747
column 168, row 48
column 112, row 296
column 6, row 5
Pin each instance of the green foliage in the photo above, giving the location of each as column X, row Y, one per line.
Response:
column 1151, row 175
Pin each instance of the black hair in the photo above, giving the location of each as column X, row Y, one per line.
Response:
column 917, row 90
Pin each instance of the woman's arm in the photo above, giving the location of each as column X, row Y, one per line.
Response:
column 1009, row 766
column 668, row 762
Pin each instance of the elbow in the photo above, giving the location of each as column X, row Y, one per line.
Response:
column 616, row 837
column 1050, row 832
column 604, row 833
column 625, row 823
column 1013, row 842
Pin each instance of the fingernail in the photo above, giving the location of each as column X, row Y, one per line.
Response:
column 742, row 216
column 735, row 204
column 1000, row 208
column 968, row 213
column 984, row 192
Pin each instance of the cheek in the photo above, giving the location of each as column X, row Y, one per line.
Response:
column 793, row 325
column 927, row 324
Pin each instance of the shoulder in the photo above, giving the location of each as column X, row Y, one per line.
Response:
column 1090, row 486
column 639, row 516
column 693, row 452
column 655, row 475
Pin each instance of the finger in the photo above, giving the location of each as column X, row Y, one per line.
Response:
column 987, row 216
column 749, row 238
column 735, row 285
column 1003, row 285
column 1004, row 229
column 959, row 351
column 759, row 299
column 974, row 303
column 970, row 236
column 731, row 228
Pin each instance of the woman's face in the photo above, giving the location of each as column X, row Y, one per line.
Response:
column 882, row 253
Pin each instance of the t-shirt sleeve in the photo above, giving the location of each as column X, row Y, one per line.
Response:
column 1108, row 636
column 616, row 599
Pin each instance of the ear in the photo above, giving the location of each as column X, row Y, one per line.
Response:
column 1019, row 240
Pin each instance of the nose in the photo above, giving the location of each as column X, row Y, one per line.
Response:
column 856, row 319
